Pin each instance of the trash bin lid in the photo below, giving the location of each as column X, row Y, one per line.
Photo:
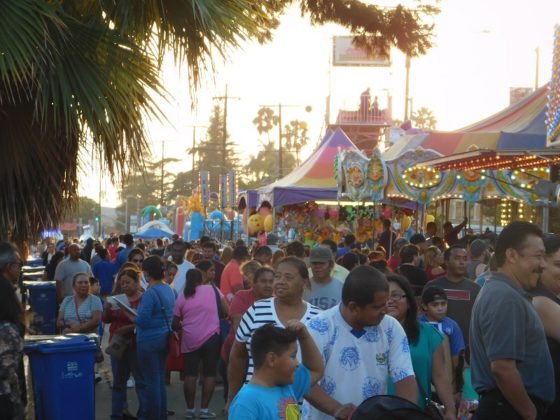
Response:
column 40, row 284
column 60, row 344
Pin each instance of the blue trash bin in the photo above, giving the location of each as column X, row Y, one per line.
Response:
column 42, row 297
column 62, row 370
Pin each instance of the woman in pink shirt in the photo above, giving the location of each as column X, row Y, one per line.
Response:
column 197, row 314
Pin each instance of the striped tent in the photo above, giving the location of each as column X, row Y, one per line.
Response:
column 520, row 126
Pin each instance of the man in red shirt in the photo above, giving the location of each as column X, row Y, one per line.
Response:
column 232, row 278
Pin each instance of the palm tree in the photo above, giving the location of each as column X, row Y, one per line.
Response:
column 424, row 118
column 85, row 74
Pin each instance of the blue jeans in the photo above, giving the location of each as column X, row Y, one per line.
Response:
column 152, row 356
column 122, row 368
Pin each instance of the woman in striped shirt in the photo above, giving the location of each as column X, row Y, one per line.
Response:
column 290, row 280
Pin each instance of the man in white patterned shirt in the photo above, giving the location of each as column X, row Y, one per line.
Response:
column 362, row 348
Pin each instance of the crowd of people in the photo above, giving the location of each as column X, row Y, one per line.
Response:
column 470, row 323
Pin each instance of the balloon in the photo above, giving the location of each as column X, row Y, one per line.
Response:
column 268, row 223
column 388, row 212
column 255, row 224
column 405, row 223
column 231, row 214
column 197, row 225
column 430, row 218
column 333, row 213
column 321, row 210
column 216, row 214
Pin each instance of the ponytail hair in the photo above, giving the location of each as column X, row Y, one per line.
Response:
column 193, row 280
column 154, row 266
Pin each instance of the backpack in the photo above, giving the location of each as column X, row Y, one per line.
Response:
column 389, row 407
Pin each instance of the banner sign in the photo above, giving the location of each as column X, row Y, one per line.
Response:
column 204, row 183
column 345, row 53
column 232, row 188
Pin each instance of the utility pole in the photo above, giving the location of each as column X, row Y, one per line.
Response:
column 280, row 134
column 194, row 178
column 407, row 67
column 225, row 98
column 162, row 159
column 280, row 162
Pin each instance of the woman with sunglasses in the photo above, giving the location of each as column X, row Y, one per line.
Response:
column 426, row 349
column 136, row 256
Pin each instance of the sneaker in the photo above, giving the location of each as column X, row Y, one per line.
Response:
column 130, row 383
column 98, row 378
column 205, row 414
column 190, row 414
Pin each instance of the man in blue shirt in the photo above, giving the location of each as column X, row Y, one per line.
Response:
column 122, row 256
column 511, row 365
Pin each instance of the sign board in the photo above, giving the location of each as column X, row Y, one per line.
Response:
column 204, row 182
column 133, row 228
column 345, row 53
column 232, row 189
column 223, row 191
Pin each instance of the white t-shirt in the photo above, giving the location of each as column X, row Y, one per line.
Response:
column 181, row 277
column 324, row 296
column 264, row 312
column 357, row 368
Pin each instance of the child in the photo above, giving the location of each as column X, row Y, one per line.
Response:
column 278, row 382
column 434, row 305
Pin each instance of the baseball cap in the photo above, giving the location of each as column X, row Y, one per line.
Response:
column 401, row 242
column 320, row 254
column 478, row 246
column 417, row 238
column 433, row 293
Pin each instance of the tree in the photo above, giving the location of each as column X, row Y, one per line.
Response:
column 262, row 168
column 215, row 155
column 85, row 74
column 165, row 177
column 295, row 138
column 423, row 118
column 265, row 120
column 87, row 209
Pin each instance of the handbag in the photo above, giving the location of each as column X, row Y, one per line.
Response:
column 117, row 346
column 174, row 339
column 98, row 352
column 432, row 408
column 224, row 321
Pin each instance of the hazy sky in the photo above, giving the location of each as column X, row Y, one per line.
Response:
column 482, row 48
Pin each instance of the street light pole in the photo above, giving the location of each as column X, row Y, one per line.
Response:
column 280, row 171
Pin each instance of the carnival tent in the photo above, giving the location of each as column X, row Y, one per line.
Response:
column 520, row 126
column 314, row 179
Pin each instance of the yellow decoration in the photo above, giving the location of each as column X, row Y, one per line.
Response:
column 405, row 222
column 430, row 218
column 268, row 223
column 255, row 224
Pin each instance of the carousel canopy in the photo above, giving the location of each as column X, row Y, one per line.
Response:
column 313, row 179
column 513, row 131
